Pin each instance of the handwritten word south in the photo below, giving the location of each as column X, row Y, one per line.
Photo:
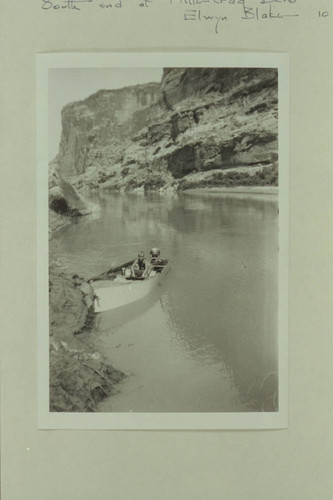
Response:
column 78, row 4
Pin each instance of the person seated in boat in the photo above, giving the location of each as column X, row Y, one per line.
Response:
column 140, row 266
column 156, row 263
column 155, row 256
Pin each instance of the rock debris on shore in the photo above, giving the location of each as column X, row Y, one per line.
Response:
column 79, row 375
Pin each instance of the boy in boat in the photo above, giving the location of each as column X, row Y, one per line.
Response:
column 140, row 267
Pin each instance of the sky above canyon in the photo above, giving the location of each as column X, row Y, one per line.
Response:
column 74, row 84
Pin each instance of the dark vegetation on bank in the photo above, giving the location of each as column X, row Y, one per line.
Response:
column 255, row 176
column 266, row 176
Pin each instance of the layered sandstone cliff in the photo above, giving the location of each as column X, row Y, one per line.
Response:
column 199, row 126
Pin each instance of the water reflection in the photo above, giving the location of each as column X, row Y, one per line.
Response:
column 218, row 315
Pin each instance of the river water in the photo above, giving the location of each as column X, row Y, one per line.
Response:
column 207, row 341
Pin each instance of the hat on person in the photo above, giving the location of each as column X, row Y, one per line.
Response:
column 154, row 252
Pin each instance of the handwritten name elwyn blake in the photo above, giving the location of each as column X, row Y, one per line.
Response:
column 196, row 15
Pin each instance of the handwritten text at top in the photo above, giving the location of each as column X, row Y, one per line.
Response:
column 211, row 12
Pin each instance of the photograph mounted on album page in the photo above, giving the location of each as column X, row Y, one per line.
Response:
column 162, row 240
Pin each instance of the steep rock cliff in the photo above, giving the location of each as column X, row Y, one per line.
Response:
column 109, row 116
column 181, row 83
column 196, row 122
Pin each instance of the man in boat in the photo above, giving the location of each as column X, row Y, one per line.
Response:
column 140, row 267
column 155, row 256
column 156, row 263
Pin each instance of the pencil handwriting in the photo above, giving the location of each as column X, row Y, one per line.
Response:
column 213, row 14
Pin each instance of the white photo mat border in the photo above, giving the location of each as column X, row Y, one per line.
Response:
column 159, row 421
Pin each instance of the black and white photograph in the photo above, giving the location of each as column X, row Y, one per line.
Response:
column 163, row 264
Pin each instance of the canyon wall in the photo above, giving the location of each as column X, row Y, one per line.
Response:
column 198, row 125
column 109, row 116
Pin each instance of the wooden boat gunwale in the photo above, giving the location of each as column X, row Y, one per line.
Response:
column 117, row 294
column 114, row 271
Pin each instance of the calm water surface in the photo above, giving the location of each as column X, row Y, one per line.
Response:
column 208, row 340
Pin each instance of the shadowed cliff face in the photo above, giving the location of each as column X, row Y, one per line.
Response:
column 197, row 122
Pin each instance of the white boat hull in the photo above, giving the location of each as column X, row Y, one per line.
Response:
column 115, row 294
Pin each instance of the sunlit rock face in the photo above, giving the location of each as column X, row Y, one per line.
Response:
column 197, row 121
column 109, row 116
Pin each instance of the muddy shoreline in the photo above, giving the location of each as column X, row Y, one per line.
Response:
column 80, row 377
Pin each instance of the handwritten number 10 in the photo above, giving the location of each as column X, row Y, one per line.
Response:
column 323, row 13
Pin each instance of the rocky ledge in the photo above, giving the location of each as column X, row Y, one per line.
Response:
column 65, row 203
